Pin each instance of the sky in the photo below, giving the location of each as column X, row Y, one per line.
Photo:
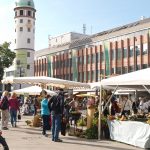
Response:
column 55, row 17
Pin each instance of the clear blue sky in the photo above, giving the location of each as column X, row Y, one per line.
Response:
column 54, row 17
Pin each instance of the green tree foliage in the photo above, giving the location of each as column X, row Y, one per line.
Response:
column 6, row 58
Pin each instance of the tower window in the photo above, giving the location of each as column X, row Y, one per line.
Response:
column 28, row 54
column 21, row 12
column 15, row 40
column 16, row 13
column 21, row 28
column 29, row 21
column 29, row 3
column 29, row 30
column 28, row 40
column 28, row 66
column 29, row 13
column 21, row 20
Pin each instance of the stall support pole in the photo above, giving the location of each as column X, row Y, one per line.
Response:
column 100, row 109
column 110, row 98
column 146, row 89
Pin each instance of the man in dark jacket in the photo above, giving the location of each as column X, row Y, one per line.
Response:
column 56, row 106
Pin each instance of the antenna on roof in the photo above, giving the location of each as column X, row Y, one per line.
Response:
column 142, row 17
column 84, row 28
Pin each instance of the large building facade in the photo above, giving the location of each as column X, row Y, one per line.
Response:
column 116, row 51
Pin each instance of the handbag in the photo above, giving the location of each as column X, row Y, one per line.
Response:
column 19, row 117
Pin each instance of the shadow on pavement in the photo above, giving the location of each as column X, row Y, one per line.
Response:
column 100, row 146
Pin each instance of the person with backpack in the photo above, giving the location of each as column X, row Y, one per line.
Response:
column 56, row 106
column 4, row 106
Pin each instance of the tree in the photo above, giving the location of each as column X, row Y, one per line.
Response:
column 6, row 58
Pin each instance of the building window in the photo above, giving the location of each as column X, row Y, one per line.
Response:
column 102, row 72
column 102, row 56
column 29, row 13
column 15, row 41
column 131, row 51
column 10, row 73
column 112, row 71
column 137, row 49
column 28, row 66
column 131, row 68
column 80, row 60
column 28, row 54
column 29, row 3
column 98, row 57
column 89, row 75
column 112, row 55
column 137, row 67
column 144, row 48
column 93, row 75
column 124, row 70
column 93, row 58
column 118, row 70
column 144, row 66
column 118, row 53
column 21, row 29
column 28, row 40
column 29, row 30
column 84, row 57
column 29, row 21
column 21, row 20
column 88, row 58
column 21, row 12
column 34, row 16
column 124, row 52
column 16, row 13
column 15, row 30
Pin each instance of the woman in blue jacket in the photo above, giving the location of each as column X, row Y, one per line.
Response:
column 45, row 113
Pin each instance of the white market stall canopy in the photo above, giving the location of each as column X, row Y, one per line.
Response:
column 46, row 81
column 134, row 80
column 33, row 90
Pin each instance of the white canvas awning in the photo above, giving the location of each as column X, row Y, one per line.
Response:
column 137, row 78
column 46, row 81
column 33, row 90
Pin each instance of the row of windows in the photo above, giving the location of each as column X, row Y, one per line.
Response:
column 28, row 41
column 28, row 29
column 100, row 56
column 28, row 21
column 28, row 13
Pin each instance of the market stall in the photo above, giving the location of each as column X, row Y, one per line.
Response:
column 130, row 132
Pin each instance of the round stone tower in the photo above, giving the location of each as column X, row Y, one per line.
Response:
column 24, row 37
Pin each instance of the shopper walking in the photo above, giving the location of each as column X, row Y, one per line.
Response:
column 4, row 106
column 13, row 108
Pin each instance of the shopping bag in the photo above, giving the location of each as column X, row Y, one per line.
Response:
column 19, row 117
